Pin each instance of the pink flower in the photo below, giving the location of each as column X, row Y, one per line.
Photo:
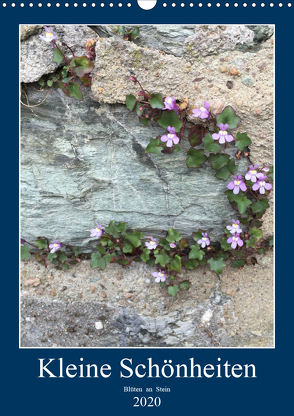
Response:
column 170, row 138
column 237, row 184
column 49, row 36
column 152, row 244
column 262, row 185
column 160, row 276
column 252, row 173
column 204, row 241
column 172, row 245
column 235, row 227
column 223, row 135
column 234, row 240
column 97, row 232
column 202, row 112
column 170, row 104
column 55, row 246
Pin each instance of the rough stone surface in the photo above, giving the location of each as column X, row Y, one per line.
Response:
column 63, row 196
column 234, row 309
column 36, row 55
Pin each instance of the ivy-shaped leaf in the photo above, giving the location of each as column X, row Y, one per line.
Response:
column 24, row 252
column 173, row 236
column 77, row 251
column 139, row 112
column 238, row 263
column 62, row 257
column 211, row 146
column 145, row 121
column 74, row 90
column 170, row 118
column 250, row 242
column 145, row 255
column 128, row 247
column 41, row 243
column 162, row 258
column 185, row 285
column 64, row 266
column 183, row 243
column 81, row 66
column 57, row 56
column 135, row 238
column 107, row 258
column 256, row 233
column 173, row 290
column 242, row 140
column 156, row 101
column 219, row 160
column 97, row 261
column 196, row 253
column 217, row 265
column 135, row 32
column 260, row 206
column 226, row 171
column 130, row 101
column 195, row 158
column 153, row 147
column 101, row 249
column 224, row 245
column 175, row 264
column 52, row 256
column 228, row 116
column 196, row 135
column 242, row 203
column 191, row 264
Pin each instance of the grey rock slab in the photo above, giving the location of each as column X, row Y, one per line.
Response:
column 63, row 196
column 36, row 55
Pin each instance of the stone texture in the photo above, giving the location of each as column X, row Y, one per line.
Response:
column 234, row 309
column 36, row 55
column 63, row 196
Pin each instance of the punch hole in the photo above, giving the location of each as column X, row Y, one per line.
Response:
column 146, row 4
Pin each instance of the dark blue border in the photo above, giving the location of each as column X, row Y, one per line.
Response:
column 23, row 391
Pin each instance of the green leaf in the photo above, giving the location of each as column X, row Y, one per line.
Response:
column 219, row 160
column 162, row 284
column 226, row 171
column 77, row 251
column 177, row 149
column 121, row 30
column 196, row 135
column 41, row 82
column 134, row 238
column 49, row 82
column 156, row 101
column 86, row 80
column 64, row 266
column 128, row 247
column 164, row 243
column 101, row 249
column 173, row 290
column 242, row 203
column 256, row 233
column 24, row 252
column 107, row 258
column 271, row 241
column 251, row 242
column 57, row 56
column 123, row 262
column 271, row 174
column 173, row 236
column 139, row 112
column 111, row 229
column 195, row 158
column 231, row 196
column 135, row 32
column 217, row 265
column 145, row 121
column 153, row 147
column 260, row 251
column 203, row 262
column 224, row 245
column 228, row 116
column 150, row 262
column 97, row 261
column 175, row 263
column 211, row 146
column 74, row 90
column 196, row 253
column 185, row 284
column 145, row 255
column 260, row 206
column 62, row 257
column 237, row 253
column 55, row 261
column 130, row 101
column 63, row 87
column 162, row 258
column 104, row 241
column 183, row 243
column 198, row 235
column 41, row 243
column 83, row 66
column 170, row 118
column 238, row 263
column 52, row 256
column 191, row 264
column 172, row 277
column 242, row 140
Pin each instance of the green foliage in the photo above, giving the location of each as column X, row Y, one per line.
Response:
column 196, row 135
column 162, row 258
column 226, row 171
column 77, row 251
column 173, row 236
column 185, row 285
column 41, row 243
column 260, row 206
column 62, row 257
column 74, row 90
column 219, row 160
column 134, row 238
column 170, row 118
column 196, row 253
column 128, row 247
column 195, row 158
column 156, row 101
column 130, row 101
column 271, row 241
column 175, row 263
column 242, row 203
column 256, row 233
column 153, row 147
column 57, row 56
column 238, row 263
column 242, row 140
column 211, row 146
column 173, row 290
column 250, row 242
column 216, row 265
column 145, row 255
column 24, row 252
column 52, row 256
column 183, row 243
column 97, row 261
column 81, row 66
column 224, row 245
column 135, row 32
column 191, row 264
column 145, row 121
column 228, row 116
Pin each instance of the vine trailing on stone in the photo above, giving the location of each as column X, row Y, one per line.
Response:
column 248, row 196
column 77, row 68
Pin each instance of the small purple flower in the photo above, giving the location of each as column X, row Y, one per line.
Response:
column 252, row 173
column 170, row 138
column 170, row 104
column 55, row 246
column 265, row 169
column 234, row 240
column 49, row 36
column 235, row 227
column 22, row 241
column 223, row 135
column 202, row 112
column 160, row 276
column 152, row 244
column 204, row 241
column 262, row 185
column 96, row 232
column 237, row 184
column 172, row 245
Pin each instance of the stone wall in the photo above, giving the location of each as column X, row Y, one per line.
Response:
column 83, row 162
